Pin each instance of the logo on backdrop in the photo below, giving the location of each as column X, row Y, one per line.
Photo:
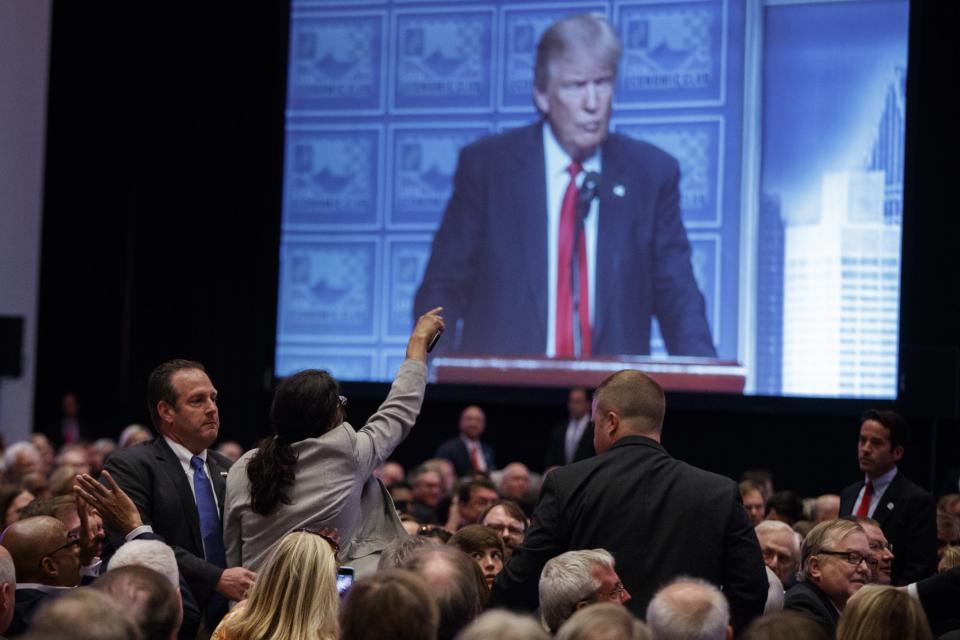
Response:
column 336, row 64
column 406, row 262
column 672, row 53
column 444, row 61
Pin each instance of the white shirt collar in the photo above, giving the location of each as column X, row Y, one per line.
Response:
column 183, row 454
column 882, row 482
column 558, row 159
column 45, row 588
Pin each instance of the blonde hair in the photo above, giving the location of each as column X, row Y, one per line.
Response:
column 880, row 612
column 951, row 558
column 294, row 596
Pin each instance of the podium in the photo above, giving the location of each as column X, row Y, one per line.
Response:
column 673, row 374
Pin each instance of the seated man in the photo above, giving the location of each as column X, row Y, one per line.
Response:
column 835, row 563
column 474, row 497
column 575, row 579
column 509, row 521
column 87, row 613
column 456, row 586
column 148, row 597
column 781, row 550
column 881, row 572
column 688, row 609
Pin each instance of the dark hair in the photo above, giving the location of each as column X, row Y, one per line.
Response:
column 147, row 595
column 892, row 422
column 476, row 537
column 511, row 508
column 305, row 405
column 404, row 609
column 787, row 504
column 784, row 625
column 159, row 387
column 8, row 493
column 467, row 487
column 53, row 507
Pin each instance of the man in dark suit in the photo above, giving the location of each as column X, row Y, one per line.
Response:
column 660, row 518
column 512, row 226
column 905, row 512
column 572, row 440
column 466, row 452
column 178, row 484
column 939, row 596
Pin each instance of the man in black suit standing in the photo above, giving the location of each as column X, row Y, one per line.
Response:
column 572, row 440
column 466, row 452
column 660, row 518
column 905, row 512
column 178, row 484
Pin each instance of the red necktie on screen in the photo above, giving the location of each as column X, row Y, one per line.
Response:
column 865, row 502
column 568, row 230
column 475, row 457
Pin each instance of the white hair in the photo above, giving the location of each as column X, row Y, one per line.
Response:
column 688, row 609
column 568, row 579
column 151, row 554
column 775, row 594
column 775, row 526
column 128, row 434
column 14, row 450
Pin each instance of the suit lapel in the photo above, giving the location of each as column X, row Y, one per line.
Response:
column 218, row 479
column 888, row 501
column 168, row 461
column 529, row 192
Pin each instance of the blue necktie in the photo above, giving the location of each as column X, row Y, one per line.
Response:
column 213, row 548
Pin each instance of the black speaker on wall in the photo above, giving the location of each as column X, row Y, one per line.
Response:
column 11, row 346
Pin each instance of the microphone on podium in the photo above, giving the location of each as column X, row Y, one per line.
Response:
column 588, row 191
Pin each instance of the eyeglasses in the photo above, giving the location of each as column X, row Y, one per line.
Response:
column 327, row 535
column 617, row 592
column 498, row 528
column 71, row 541
column 851, row 557
column 880, row 546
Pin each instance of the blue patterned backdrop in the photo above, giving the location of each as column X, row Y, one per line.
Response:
column 381, row 97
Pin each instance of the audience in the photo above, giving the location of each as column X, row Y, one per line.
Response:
column 880, row 573
column 397, row 552
column 689, row 609
column 147, row 597
column 825, row 507
column 576, row 579
column 752, row 501
column 294, row 596
column 603, row 621
column 949, row 559
column 883, row 613
column 427, row 492
column 466, row 452
column 8, row 588
column 89, row 614
column 785, row 625
column 473, row 498
column 835, row 562
column 389, row 605
column 456, row 586
column 516, row 485
column 785, row 506
column 781, row 550
column 509, row 521
column 503, row 625
column 484, row 546
column 12, row 499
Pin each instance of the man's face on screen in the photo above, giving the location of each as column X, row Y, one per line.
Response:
column 576, row 100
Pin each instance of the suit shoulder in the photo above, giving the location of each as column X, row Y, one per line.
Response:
column 137, row 454
column 645, row 152
column 494, row 145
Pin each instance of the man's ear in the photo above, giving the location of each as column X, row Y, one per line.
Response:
column 813, row 567
column 165, row 411
column 49, row 568
column 897, row 453
column 541, row 100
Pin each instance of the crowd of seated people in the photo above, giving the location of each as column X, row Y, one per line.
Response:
column 430, row 551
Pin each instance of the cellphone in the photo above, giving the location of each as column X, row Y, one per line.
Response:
column 344, row 580
column 434, row 340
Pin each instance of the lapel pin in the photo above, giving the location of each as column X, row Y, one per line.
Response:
column 890, row 506
column 223, row 474
column 619, row 190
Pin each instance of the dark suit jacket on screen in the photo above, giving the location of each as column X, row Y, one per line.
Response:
column 456, row 452
column 659, row 517
column 907, row 515
column 488, row 266
column 153, row 477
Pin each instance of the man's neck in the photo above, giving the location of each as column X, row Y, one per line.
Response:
column 879, row 474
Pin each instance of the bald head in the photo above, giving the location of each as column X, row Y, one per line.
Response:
column 8, row 586
column 32, row 542
column 689, row 608
column 628, row 403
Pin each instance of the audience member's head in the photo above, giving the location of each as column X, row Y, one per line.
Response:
column 509, row 521
column 884, row 436
column 883, row 613
column 89, row 614
column 98, row 452
column 64, row 509
column 427, row 486
column 474, row 497
column 503, row 625
column 835, row 556
column 575, row 579
column 21, row 458
column 434, row 532
column 948, row 531
column 473, row 422
column 232, row 450
column 784, row 625
column 949, row 503
column 515, row 481
column 76, row 457
column 603, row 621
column 389, row 605
column 763, row 479
column 578, row 403
column 397, row 552
column 752, row 498
column 37, row 484
column 183, row 404
column 628, row 403
column 133, row 435
column 43, row 551
column 448, row 474
column 148, row 597
column 390, row 473
column 8, row 587
column 785, row 506
column 45, row 447
column 12, row 499
column 950, row 559
column 402, row 495
column 152, row 554
column 825, row 507
column 484, row 546
column 780, row 548
column 882, row 550
column 456, row 585
column 295, row 593
column 689, row 609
